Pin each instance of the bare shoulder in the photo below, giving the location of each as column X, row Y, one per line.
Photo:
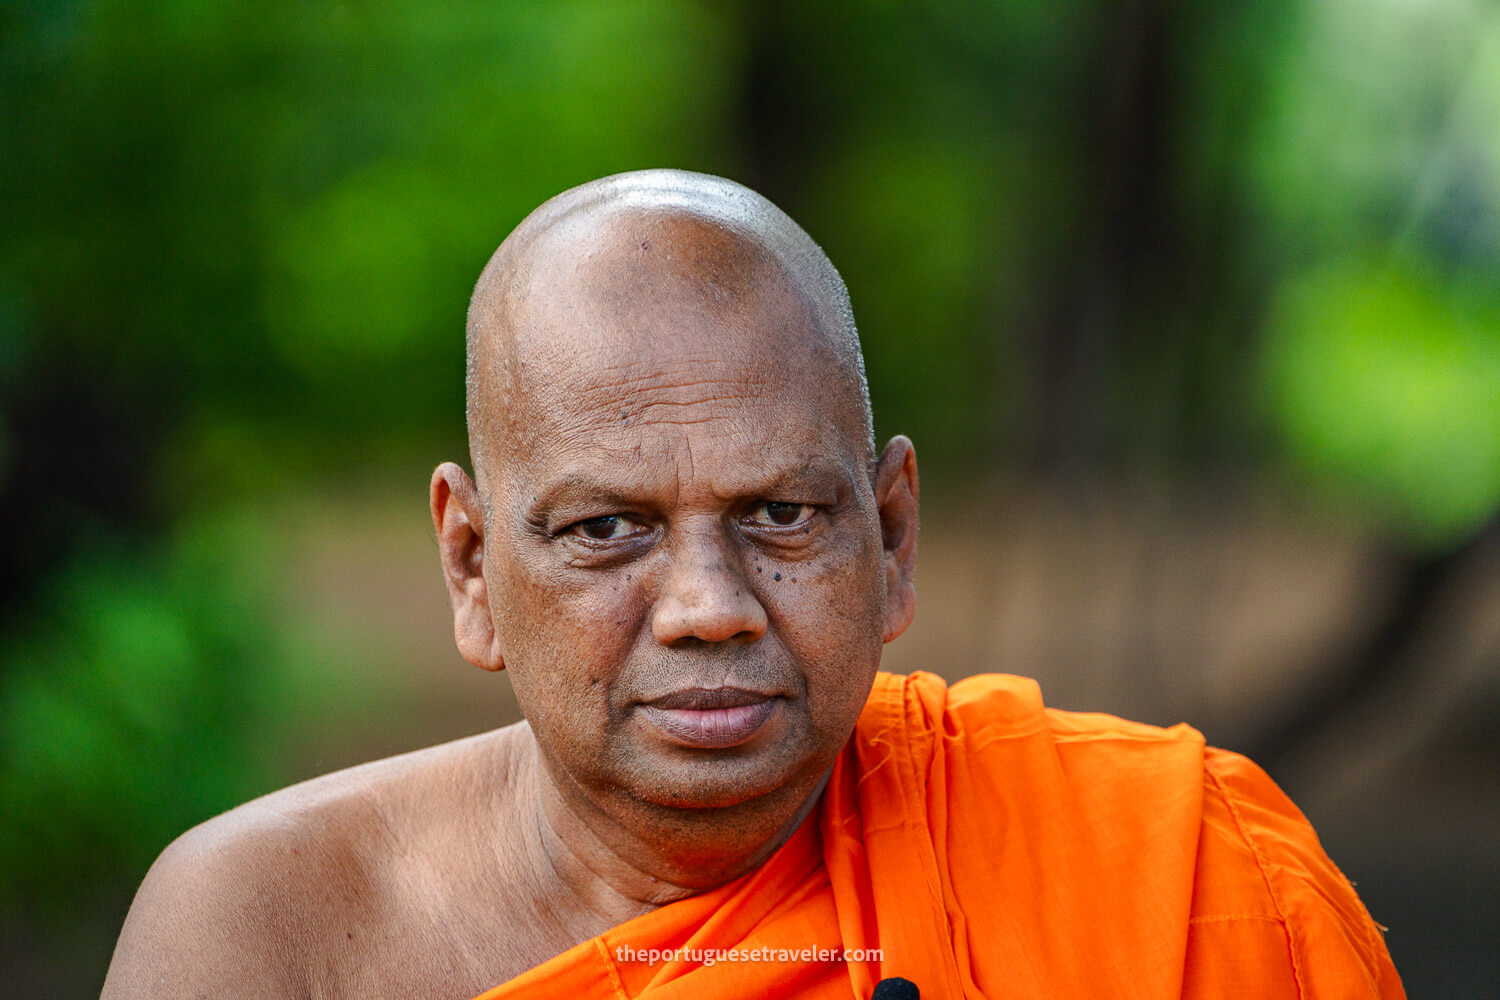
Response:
column 288, row 895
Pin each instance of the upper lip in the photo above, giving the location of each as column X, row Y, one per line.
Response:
column 705, row 699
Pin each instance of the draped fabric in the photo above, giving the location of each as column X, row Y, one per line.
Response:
column 980, row 845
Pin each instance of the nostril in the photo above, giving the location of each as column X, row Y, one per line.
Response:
column 709, row 615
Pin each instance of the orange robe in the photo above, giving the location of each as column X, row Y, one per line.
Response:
column 988, row 847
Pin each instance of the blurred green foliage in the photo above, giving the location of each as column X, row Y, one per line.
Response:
column 140, row 708
column 1389, row 383
column 1380, row 162
column 237, row 241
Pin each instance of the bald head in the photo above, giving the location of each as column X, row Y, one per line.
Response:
column 682, row 267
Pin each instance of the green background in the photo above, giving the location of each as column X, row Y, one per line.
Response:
column 1226, row 257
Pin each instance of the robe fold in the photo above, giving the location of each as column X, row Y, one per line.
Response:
column 980, row 845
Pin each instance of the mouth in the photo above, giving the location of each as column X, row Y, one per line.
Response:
column 710, row 718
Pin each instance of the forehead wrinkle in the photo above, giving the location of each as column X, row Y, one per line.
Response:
column 669, row 400
column 653, row 426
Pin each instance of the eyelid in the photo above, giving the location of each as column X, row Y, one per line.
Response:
column 814, row 509
column 572, row 528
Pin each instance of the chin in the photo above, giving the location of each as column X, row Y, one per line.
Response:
column 726, row 783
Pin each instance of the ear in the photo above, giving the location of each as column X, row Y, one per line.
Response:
column 896, row 498
column 458, row 519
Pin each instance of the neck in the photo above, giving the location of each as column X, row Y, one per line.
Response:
column 618, row 867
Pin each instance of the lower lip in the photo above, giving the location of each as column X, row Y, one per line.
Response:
column 711, row 728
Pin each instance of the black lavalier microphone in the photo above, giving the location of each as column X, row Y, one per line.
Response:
column 896, row 988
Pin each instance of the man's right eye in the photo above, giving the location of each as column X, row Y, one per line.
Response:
column 603, row 529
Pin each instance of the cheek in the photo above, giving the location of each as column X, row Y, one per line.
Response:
column 830, row 613
column 565, row 636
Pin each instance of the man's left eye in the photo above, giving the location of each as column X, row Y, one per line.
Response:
column 775, row 513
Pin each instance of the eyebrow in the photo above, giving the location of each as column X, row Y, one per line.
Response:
column 813, row 475
column 577, row 487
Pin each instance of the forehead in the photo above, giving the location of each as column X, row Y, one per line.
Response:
column 659, row 329
column 633, row 274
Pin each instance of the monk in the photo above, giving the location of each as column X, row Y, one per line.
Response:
column 682, row 544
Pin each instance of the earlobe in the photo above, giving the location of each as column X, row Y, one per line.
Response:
column 458, row 520
column 896, row 492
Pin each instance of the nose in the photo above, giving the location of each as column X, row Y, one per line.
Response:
column 706, row 595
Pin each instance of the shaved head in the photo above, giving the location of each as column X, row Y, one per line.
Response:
column 595, row 269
